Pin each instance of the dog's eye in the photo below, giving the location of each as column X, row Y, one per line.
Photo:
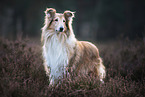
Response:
column 56, row 19
column 63, row 20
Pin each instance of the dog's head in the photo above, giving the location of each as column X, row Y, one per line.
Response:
column 58, row 22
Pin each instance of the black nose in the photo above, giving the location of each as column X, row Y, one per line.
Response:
column 61, row 29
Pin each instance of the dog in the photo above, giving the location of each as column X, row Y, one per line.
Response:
column 63, row 53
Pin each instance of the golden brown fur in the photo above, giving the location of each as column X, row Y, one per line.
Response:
column 86, row 58
column 79, row 57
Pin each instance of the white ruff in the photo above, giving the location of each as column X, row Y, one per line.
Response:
column 56, row 56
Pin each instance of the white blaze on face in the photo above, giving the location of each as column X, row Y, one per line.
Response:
column 59, row 23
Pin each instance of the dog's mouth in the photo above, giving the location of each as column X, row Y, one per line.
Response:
column 62, row 34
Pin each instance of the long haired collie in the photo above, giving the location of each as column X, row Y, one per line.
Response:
column 63, row 53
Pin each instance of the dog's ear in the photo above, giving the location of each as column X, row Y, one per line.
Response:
column 68, row 15
column 50, row 12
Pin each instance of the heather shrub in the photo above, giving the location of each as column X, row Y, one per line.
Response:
column 125, row 58
column 22, row 73
column 21, row 70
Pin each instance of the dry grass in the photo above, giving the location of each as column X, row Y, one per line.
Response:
column 22, row 73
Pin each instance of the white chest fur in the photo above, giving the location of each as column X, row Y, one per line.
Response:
column 56, row 56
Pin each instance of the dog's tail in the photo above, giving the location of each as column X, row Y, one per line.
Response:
column 101, row 70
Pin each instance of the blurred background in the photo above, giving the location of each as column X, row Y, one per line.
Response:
column 94, row 19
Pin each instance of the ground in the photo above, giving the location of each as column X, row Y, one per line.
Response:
column 22, row 73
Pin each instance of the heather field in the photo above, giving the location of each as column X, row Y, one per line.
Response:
column 22, row 73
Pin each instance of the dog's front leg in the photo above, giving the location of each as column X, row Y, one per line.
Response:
column 55, row 75
column 66, row 72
